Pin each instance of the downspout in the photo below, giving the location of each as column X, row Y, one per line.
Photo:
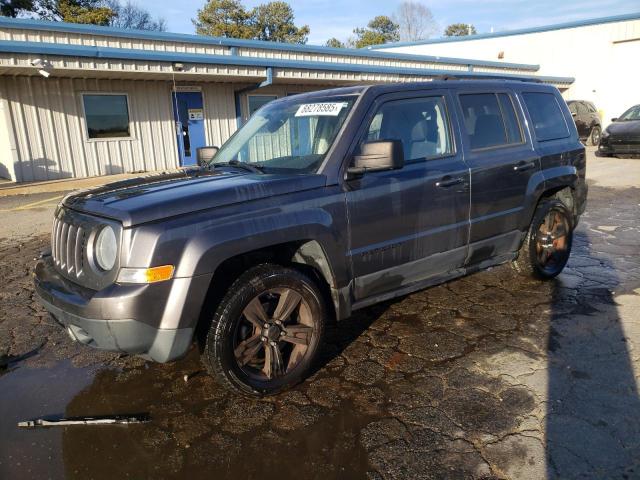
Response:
column 238, row 93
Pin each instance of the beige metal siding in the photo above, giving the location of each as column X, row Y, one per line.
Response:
column 49, row 129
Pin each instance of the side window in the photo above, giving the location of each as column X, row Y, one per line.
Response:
column 582, row 108
column 546, row 115
column 490, row 120
column 421, row 124
column 573, row 108
column 514, row 132
column 592, row 108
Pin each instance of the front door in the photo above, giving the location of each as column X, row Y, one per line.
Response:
column 409, row 225
column 189, row 116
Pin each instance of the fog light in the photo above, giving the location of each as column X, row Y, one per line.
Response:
column 145, row 275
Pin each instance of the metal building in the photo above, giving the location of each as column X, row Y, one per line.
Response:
column 601, row 54
column 80, row 100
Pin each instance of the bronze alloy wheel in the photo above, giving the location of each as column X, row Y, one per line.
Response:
column 547, row 244
column 266, row 333
column 552, row 242
column 274, row 334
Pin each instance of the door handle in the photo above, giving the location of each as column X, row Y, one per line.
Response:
column 522, row 166
column 447, row 181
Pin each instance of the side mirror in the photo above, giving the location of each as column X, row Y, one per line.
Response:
column 377, row 156
column 204, row 155
column 573, row 114
column 614, row 119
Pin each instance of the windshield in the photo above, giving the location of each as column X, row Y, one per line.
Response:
column 288, row 137
column 632, row 114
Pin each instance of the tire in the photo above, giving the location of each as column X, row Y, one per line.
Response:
column 547, row 245
column 268, row 308
column 594, row 138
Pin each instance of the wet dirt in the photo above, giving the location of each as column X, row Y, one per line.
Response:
column 489, row 376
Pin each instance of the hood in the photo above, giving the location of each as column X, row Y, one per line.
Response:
column 626, row 128
column 153, row 197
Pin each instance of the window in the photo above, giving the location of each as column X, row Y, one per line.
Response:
column 490, row 120
column 107, row 115
column 257, row 101
column 546, row 115
column 421, row 124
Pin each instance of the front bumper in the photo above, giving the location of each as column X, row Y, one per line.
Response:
column 121, row 318
column 615, row 146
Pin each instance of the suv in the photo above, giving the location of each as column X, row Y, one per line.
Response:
column 587, row 120
column 323, row 203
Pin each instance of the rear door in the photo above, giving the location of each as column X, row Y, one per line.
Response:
column 411, row 224
column 502, row 160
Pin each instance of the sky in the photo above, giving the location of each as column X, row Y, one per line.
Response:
column 338, row 18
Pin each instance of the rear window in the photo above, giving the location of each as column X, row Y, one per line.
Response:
column 546, row 115
column 490, row 120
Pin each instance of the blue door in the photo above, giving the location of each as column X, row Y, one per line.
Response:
column 189, row 116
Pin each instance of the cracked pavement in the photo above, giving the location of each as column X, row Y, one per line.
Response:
column 485, row 377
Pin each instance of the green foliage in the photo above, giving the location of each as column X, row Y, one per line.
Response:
column 459, row 30
column 273, row 21
column 335, row 43
column 12, row 8
column 224, row 18
column 380, row 29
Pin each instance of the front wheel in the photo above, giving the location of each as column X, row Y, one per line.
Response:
column 266, row 332
column 595, row 136
column 546, row 248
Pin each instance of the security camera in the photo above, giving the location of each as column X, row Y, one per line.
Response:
column 44, row 66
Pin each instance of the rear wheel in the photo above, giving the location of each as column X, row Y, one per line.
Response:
column 547, row 246
column 266, row 333
column 595, row 136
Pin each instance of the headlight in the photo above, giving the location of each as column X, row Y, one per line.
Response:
column 106, row 247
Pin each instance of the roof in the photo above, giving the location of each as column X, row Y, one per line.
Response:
column 87, row 51
column 521, row 31
column 94, row 30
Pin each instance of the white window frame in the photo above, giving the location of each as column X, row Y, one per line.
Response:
column 86, row 123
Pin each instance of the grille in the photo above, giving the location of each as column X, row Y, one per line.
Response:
column 67, row 247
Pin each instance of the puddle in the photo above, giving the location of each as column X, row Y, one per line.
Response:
column 28, row 393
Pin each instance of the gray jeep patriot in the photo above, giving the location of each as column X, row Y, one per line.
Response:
column 323, row 203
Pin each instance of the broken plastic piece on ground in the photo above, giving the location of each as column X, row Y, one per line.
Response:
column 103, row 420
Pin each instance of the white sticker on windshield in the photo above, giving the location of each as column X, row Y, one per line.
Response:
column 313, row 109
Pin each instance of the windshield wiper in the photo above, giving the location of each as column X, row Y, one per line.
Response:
column 250, row 167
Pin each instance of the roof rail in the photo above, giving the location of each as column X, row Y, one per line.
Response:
column 488, row 77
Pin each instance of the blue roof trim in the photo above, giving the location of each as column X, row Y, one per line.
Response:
column 521, row 31
column 30, row 24
column 87, row 51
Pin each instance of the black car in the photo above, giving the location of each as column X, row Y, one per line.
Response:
column 321, row 204
column 587, row 120
column 622, row 137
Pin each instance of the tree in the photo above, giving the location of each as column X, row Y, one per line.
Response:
column 72, row 11
column 460, row 30
column 273, row 21
column 12, row 8
column 379, row 30
column 335, row 43
column 223, row 18
column 129, row 15
column 415, row 21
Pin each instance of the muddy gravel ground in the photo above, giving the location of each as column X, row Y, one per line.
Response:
column 485, row 377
